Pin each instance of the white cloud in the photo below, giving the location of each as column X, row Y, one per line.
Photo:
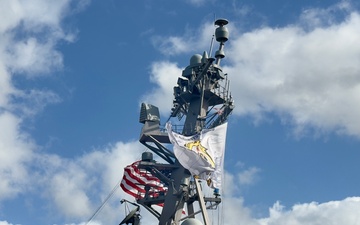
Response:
column 318, row 17
column 248, row 176
column 31, row 56
column 196, row 2
column 79, row 182
column 30, row 103
column 84, row 182
column 29, row 33
column 5, row 223
column 6, row 87
column 333, row 212
column 35, row 15
column 68, row 188
column 164, row 75
column 306, row 73
column 307, row 78
column 234, row 210
column 189, row 42
column 15, row 154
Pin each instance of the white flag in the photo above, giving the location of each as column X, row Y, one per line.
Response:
column 202, row 154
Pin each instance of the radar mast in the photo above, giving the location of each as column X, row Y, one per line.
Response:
column 202, row 100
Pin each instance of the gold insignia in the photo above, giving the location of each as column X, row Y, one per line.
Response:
column 201, row 150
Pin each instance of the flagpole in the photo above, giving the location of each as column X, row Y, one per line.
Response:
column 202, row 202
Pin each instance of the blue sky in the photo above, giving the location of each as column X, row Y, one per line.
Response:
column 73, row 75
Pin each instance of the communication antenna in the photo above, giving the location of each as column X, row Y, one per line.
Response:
column 212, row 39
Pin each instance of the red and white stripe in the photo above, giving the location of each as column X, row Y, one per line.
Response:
column 135, row 179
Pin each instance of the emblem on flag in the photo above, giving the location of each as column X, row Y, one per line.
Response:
column 202, row 154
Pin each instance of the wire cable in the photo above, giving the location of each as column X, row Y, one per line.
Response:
column 104, row 202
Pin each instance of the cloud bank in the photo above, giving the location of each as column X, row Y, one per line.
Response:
column 24, row 52
column 309, row 77
column 306, row 73
column 334, row 212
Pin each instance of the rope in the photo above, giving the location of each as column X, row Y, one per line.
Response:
column 103, row 203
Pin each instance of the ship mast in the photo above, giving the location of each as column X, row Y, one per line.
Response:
column 196, row 94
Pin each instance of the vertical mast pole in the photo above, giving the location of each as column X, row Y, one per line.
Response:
column 195, row 93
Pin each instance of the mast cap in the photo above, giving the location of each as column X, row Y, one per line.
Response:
column 221, row 22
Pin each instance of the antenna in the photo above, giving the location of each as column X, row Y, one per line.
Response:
column 222, row 35
column 211, row 44
column 212, row 39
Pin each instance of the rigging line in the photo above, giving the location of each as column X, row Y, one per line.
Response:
column 104, row 202
column 222, row 206
column 212, row 40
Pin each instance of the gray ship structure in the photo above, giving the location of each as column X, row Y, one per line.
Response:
column 201, row 106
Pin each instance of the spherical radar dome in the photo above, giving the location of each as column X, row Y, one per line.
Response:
column 195, row 59
column 191, row 221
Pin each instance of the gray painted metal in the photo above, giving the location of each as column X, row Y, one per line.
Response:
column 197, row 92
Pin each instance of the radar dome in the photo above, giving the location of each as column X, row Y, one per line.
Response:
column 195, row 59
column 191, row 221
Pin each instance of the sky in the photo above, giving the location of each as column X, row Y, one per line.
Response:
column 73, row 74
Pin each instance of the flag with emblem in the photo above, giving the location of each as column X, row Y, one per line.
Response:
column 202, row 154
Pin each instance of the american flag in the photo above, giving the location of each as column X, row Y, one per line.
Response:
column 135, row 180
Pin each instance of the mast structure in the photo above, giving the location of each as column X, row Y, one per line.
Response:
column 197, row 94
